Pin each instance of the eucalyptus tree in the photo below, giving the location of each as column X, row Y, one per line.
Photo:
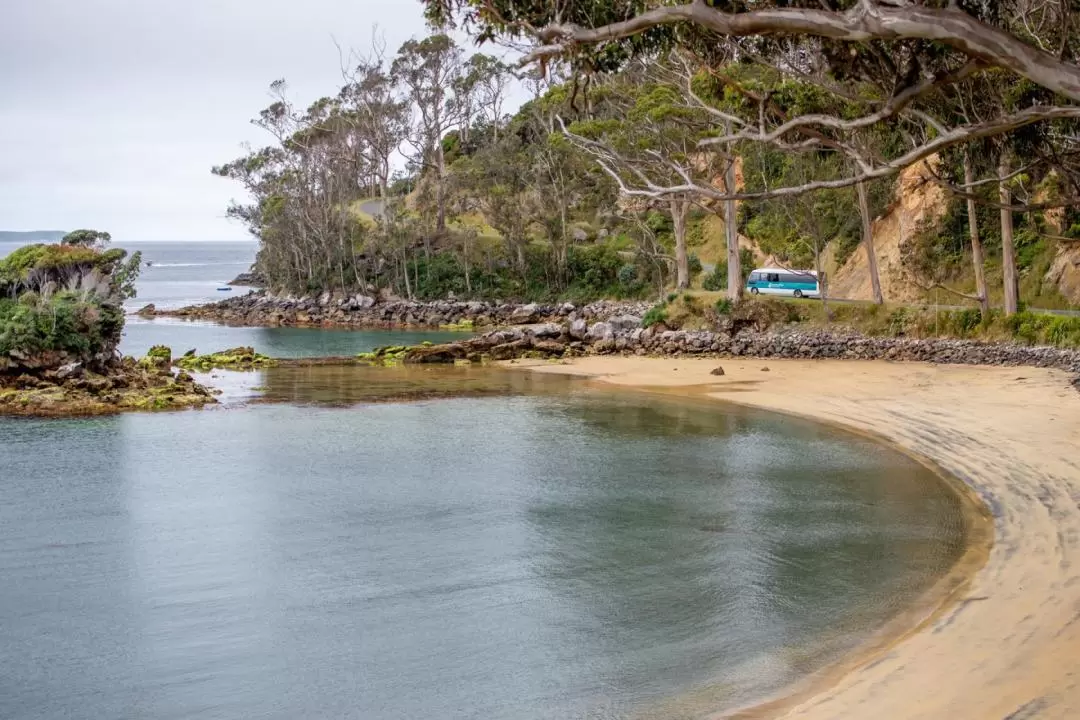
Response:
column 884, row 57
column 430, row 70
column 494, row 182
column 642, row 134
column 377, row 116
column 301, row 189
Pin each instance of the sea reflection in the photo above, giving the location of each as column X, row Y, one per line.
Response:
column 552, row 551
column 343, row 385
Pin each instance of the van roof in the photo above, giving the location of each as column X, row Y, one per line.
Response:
column 784, row 270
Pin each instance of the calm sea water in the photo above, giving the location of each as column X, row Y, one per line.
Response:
column 502, row 546
column 190, row 273
column 544, row 553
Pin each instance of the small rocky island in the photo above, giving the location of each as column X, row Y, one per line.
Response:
column 61, row 318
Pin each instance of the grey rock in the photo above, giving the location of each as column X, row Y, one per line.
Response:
column 544, row 330
column 579, row 329
column 599, row 332
column 624, row 322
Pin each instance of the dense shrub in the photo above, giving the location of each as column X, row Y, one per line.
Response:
column 65, row 322
column 656, row 315
column 717, row 279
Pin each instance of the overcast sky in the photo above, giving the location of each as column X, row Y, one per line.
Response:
column 113, row 111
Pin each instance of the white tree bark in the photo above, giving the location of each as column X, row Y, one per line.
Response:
column 679, row 209
column 868, row 243
column 976, row 245
column 731, row 233
column 1008, row 250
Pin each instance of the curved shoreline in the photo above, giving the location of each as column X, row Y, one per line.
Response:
column 999, row 639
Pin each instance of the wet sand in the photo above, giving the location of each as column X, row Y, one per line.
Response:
column 1003, row 641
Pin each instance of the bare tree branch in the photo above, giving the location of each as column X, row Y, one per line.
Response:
column 864, row 22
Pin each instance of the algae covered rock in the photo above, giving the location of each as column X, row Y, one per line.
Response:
column 238, row 358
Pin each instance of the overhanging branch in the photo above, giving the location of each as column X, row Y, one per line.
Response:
column 864, row 22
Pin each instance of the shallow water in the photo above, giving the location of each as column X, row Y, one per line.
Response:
column 549, row 551
column 283, row 342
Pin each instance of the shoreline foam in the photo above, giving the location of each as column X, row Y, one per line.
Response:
column 995, row 639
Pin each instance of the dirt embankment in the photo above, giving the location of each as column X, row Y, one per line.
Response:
column 918, row 201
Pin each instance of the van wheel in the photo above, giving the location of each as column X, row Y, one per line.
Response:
column 798, row 293
column 753, row 291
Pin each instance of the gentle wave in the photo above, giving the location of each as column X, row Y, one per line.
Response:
column 194, row 264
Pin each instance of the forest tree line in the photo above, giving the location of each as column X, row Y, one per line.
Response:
column 594, row 185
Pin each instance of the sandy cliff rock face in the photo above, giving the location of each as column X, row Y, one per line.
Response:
column 918, row 200
column 1064, row 271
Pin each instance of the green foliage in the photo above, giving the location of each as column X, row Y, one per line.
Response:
column 656, row 315
column 591, row 272
column 127, row 273
column 65, row 322
column 717, row 279
column 694, row 263
column 724, row 306
column 238, row 358
column 86, row 238
column 1041, row 329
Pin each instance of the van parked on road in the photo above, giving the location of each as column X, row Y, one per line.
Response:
column 778, row 281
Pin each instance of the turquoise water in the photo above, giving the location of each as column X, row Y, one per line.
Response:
column 182, row 335
column 544, row 552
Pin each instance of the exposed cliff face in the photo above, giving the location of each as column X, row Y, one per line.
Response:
column 1064, row 272
column 918, row 200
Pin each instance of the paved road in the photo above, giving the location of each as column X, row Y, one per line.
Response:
column 1044, row 311
column 372, row 207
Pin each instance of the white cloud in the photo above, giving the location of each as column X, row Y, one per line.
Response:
column 113, row 111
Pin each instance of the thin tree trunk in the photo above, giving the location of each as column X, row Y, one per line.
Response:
column 976, row 244
column 1008, row 251
column 440, row 189
column 405, row 272
column 868, row 241
column 821, row 281
column 731, row 232
column 682, row 259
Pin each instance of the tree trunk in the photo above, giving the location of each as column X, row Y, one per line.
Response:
column 682, row 260
column 821, row 281
column 1008, row 251
column 976, row 244
column 440, row 188
column 731, row 232
column 868, row 241
column 405, row 272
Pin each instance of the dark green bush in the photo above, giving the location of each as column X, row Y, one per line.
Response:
column 656, row 314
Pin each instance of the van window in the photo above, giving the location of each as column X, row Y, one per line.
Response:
column 754, row 277
column 773, row 277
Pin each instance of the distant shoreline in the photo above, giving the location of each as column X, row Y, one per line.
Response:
column 991, row 638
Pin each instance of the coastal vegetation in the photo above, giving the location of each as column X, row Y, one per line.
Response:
column 689, row 132
column 61, row 317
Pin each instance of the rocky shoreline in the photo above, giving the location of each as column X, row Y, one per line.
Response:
column 511, row 331
column 121, row 385
column 264, row 309
column 554, row 340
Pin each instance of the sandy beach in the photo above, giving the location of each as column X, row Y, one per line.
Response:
column 1005, row 641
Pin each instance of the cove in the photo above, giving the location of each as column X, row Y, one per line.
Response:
column 535, row 550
